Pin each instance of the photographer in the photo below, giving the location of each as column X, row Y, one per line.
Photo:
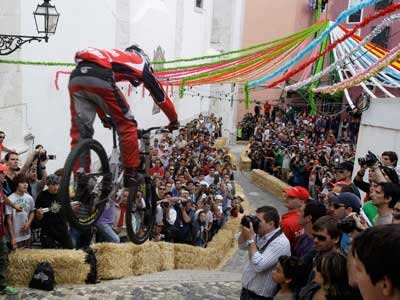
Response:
column 265, row 243
column 343, row 173
column 166, row 214
column 344, row 205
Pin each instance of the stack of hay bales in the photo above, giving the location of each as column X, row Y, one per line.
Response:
column 220, row 142
column 69, row 265
column 115, row 260
column 167, row 256
column 119, row 260
column 269, row 183
column 147, row 259
column 244, row 160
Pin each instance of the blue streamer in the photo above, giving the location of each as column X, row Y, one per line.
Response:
column 313, row 44
column 366, row 58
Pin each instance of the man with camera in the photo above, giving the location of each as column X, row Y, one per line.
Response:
column 345, row 205
column 343, row 173
column 265, row 243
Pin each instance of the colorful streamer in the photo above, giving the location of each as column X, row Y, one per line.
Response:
column 340, row 62
column 348, row 34
column 343, row 16
column 366, row 74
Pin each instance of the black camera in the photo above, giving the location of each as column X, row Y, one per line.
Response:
column 347, row 225
column 164, row 204
column 246, row 220
column 369, row 160
column 42, row 156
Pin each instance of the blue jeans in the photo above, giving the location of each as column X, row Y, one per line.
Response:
column 80, row 238
column 106, row 234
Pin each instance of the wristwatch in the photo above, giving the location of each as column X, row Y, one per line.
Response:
column 249, row 242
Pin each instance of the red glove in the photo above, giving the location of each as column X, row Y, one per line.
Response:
column 173, row 126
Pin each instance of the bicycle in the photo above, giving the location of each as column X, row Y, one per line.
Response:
column 88, row 185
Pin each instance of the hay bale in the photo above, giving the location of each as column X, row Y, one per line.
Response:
column 269, row 183
column 244, row 160
column 190, row 257
column 222, row 241
column 114, row 260
column 69, row 265
column 147, row 259
column 220, row 142
column 167, row 256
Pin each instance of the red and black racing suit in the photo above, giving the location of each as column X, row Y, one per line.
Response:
column 92, row 88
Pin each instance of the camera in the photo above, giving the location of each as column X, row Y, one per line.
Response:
column 164, row 204
column 246, row 220
column 42, row 156
column 347, row 225
column 369, row 160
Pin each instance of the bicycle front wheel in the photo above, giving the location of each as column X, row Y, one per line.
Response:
column 86, row 184
column 140, row 212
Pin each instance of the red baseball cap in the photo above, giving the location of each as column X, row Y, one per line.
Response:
column 298, row 192
column 3, row 168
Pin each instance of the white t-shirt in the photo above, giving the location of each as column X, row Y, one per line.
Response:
column 21, row 218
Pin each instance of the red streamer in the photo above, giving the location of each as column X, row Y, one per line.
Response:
column 57, row 77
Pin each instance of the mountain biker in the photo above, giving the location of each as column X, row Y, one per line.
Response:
column 92, row 88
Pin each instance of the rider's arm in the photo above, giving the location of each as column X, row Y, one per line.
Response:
column 158, row 94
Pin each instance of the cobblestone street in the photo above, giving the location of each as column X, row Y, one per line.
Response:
column 177, row 284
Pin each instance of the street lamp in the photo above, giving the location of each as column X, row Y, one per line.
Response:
column 46, row 19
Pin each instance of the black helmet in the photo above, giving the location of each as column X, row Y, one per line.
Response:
column 136, row 49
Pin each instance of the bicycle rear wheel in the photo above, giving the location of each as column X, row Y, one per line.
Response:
column 140, row 212
column 86, row 183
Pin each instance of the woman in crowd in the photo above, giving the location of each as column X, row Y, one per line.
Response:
column 290, row 274
column 331, row 275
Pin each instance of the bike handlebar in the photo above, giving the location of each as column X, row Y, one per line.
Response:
column 160, row 129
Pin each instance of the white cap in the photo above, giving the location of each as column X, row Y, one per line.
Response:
column 219, row 197
column 203, row 182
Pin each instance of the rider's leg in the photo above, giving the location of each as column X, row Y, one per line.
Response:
column 127, row 132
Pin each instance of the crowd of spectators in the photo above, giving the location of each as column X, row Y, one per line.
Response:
column 334, row 243
column 194, row 186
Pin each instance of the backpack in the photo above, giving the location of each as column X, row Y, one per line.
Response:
column 92, row 261
column 43, row 277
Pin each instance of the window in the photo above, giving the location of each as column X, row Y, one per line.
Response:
column 357, row 16
column 382, row 38
column 383, row 4
column 199, row 3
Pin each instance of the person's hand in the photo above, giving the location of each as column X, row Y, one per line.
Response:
column 361, row 224
column 18, row 208
column 248, row 233
column 39, row 213
column 26, row 227
column 117, row 230
column 173, row 126
column 13, row 243
column 107, row 122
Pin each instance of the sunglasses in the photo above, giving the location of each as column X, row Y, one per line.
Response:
column 319, row 237
column 337, row 206
column 2, row 136
column 397, row 210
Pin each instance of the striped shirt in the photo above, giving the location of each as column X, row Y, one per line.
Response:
column 257, row 274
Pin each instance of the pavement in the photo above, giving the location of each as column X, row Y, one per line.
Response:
column 176, row 284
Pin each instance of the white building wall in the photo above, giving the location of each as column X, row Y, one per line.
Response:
column 12, row 110
column 175, row 25
column 380, row 129
column 226, row 36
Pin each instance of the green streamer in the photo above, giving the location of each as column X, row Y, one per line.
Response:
column 36, row 63
column 313, row 27
column 246, row 96
column 238, row 66
column 318, row 68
